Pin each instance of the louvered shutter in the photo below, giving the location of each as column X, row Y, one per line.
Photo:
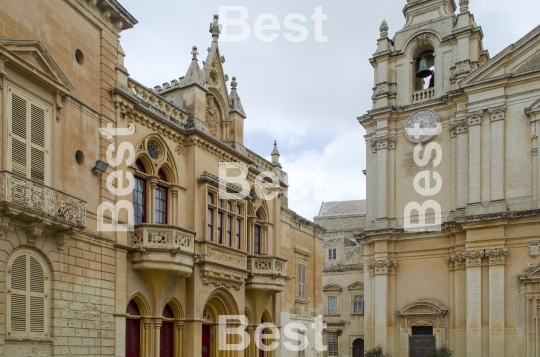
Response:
column 19, row 124
column 301, row 282
column 18, row 295
column 27, row 297
column 27, row 123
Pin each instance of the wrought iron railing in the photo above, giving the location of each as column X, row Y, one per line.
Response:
column 40, row 199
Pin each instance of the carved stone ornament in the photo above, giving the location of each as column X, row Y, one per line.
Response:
column 422, row 126
column 473, row 258
column 493, row 256
column 457, row 128
column 534, row 248
column 221, row 279
column 382, row 267
column 456, row 261
column 384, row 89
column 212, row 118
column 463, row 6
column 475, row 118
column 384, row 29
column 423, row 39
column 383, row 142
column 497, row 113
column 496, row 256
column 462, row 68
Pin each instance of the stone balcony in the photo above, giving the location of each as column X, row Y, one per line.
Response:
column 160, row 247
column 266, row 273
column 221, row 265
column 31, row 200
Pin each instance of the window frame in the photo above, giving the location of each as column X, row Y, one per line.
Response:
column 144, row 218
column 45, row 295
column 332, row 254
column 332, row 344
column 302, row 285
column 335, row 308
column 257, row 231
column 231, row 211
column 354, row 302
column 165, row 202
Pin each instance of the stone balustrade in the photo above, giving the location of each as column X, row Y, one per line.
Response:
column 175, row 238
column 266, row 264
column 34, row 198
column 423, row 95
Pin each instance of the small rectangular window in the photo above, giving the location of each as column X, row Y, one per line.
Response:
column 302, row 352
column 331, row 306
column 220, row 228
column 257, row 240
column 301, row 282
column 229, row 231
column 238, row 233
column 332, row 254
column 358, row 304
column 210, row 225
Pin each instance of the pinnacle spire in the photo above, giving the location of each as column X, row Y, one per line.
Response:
column 234, row 100
column 275, row 155
column 194, row 74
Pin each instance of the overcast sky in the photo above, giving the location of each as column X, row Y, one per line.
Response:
column 306, row 95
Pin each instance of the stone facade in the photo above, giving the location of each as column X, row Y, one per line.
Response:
column 343, row 275
column 74, row 282
column 462, row 273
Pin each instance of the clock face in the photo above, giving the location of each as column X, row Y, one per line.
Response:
column 422, row 126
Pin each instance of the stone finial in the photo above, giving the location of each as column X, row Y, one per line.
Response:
column 234, row 100
column 463, row 6
column 234, row 83
column 275, row 154
column 194, row 52
column 215, row 27
column 384, row 29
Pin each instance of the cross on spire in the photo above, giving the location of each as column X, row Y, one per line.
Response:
column 194, row 52
column 215, row 27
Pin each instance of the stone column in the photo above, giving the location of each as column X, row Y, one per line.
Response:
column 381, row 146
column 251, row 348
column 474, row 302
column 474, row 121
column 179, row 340
column 151, row 204
column 157, row 337
column 496, row 260
column 497, row 114
column 368, row 302
column 174, row 206
column 251, row 232
column 145, row 338
column 462, row 166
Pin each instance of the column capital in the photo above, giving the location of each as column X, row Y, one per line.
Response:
column 459, row 127
column 383, row 267
column 497, row 113
column 496, row 256
column 383, row 143
column 475, row 117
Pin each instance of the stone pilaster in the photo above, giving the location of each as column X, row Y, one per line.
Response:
column 460, row 129
column 381, row 146
column 474, row 121
column 496, row 260
column 381, row 270
column 497, row 115
column 473, row 261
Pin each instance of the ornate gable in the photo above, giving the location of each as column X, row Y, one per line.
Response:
column 523, row 56
column 31, row 57
column 213, row 73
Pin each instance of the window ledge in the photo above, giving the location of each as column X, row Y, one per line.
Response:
column 30, row 339
column 357, row 313
column 330, row 315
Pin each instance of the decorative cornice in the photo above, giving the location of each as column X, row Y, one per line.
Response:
column 383, row 143
column 475, row 118
column 383, row 267
column 497, row 113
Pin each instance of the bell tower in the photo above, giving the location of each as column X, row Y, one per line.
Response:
column 428, row 56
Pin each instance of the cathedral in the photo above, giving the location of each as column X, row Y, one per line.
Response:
column 119, row 235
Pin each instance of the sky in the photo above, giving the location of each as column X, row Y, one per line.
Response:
column 306, row 94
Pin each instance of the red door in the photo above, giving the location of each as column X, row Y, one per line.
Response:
column 206, row 341
column 167, row 339
column 133, row 338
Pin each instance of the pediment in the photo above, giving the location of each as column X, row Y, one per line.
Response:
column 356, row 286
column 521, row 57
column 533, row 272
column 332, row 287
column 31, row 57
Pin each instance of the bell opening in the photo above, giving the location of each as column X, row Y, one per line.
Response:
column 425, row 71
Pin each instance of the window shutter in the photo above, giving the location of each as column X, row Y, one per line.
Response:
column 18, row 135
column 27, row 137
column 37, row 154
column 18, row 294
column 27, row 296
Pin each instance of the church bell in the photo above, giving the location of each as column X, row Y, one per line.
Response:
column 423, row 69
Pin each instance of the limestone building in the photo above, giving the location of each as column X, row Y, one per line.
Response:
column 80, row 137
column 450, row 243
column 343, row 277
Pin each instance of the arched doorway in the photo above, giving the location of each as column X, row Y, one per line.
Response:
column 133, row 330
column 219, row 303
column 422, row 341
column 167, row 333
column 358, row 348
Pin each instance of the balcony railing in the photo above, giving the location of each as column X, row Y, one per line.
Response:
column 168, row 237
column 423, row 95
column 270, row 265
column 34, row 197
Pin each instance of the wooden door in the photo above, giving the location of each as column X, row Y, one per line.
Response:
column 421, row 342
column 133, row 338
column 205, row 341
column 167, row 339
column 358, row 348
